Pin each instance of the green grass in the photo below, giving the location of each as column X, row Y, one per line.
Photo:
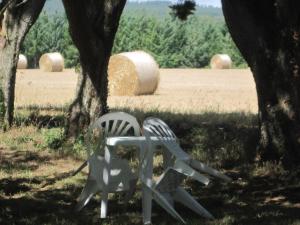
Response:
column 36, row 186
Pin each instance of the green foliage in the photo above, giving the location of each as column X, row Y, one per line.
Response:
column 50, row 34
column 173, row 43
column 53, row 138
column 79, row 145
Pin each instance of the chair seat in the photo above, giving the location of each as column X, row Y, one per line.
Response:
column 120, row 173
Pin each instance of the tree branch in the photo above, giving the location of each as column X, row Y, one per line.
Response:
column 5, row 6
column 21, row 3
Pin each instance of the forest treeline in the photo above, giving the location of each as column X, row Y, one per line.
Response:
column 173, row 43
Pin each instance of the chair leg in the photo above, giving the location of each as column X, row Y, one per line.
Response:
column 146, row 173
column 206, row 169
column 147, row 205
column 106, row 179
column 87, row 193
column 104, row 201
column 186, row 199
column 182, row 167
column 164, row 203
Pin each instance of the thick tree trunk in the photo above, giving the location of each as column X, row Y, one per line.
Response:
column 93, row 25
column 268, row 35
column 15, row 23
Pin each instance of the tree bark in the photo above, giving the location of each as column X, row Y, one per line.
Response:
column 268, row 36
column 93, row 25
column 14, row 25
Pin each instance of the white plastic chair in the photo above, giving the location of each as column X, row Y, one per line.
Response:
column 109, row 173
column 157, row 127
column 177, row 165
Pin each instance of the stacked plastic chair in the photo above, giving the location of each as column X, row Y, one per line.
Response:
column 177, row 166
column 110, row 173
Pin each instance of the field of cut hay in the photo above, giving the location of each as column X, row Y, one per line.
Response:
column 179, row 90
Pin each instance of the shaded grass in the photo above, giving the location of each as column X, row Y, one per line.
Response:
column 36, row 187
column 224, row 140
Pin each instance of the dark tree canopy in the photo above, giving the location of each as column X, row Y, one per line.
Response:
column 183, row 9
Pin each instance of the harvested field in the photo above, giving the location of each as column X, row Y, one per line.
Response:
column 180, row 90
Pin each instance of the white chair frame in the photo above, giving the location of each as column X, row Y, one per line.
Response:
column 177, row 165
column 109, row 173
column 175, row 162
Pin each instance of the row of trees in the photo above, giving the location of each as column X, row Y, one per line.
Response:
column 176, row 43
column 50, row 34
column 173, row 43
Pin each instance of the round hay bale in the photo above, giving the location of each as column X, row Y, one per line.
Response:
column 132, row 73
column 22, row 62
column 52, row 62
column 221, row 61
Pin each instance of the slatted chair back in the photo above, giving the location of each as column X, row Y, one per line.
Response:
column 108, row 173
column 158, row 128
column 154, row 127
column 116, row 124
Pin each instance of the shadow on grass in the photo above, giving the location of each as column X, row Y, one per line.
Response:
column 262, row 200
column 40, row 121
column 226, row 140
column 222, row 139
column 40, row 116
column 20, row 161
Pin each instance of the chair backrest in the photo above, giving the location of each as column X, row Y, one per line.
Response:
column 111, row 125
column 154, row 127
column 157, row 128
column 117, row 124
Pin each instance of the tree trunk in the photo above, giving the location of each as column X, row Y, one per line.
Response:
column 268, row 36
column 93, row 25
column 14, row 25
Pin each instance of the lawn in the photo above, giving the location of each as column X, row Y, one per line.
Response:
column 36, row 186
